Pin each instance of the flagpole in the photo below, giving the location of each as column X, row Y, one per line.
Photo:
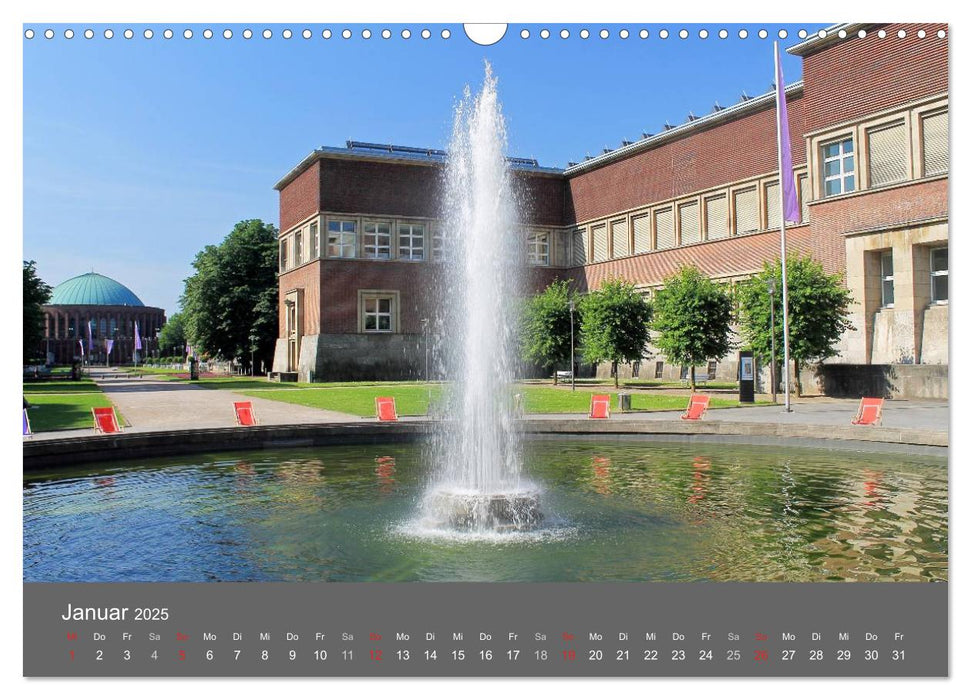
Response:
column 780, row 91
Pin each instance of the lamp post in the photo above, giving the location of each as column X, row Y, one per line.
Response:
column 771, row 285
column 573, row 365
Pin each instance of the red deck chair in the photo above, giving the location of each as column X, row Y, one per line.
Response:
column 697, row 405
column 870, row 413
column 27, row 431
column 385, row 409
column 105, row 420
column 600, row 406
column 244, row 413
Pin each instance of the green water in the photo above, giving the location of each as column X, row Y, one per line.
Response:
column 620, row 511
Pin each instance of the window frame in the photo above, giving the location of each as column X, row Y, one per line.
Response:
column 840, row 157
column 885, row 278
column 284, row 257
column 377, row 246
column 342, row 237
column 407, row 230
column 366, row 296
column 298, row 247
column 314, row 251
column 934, row 274
column 536, row 241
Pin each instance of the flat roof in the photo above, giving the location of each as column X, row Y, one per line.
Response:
column 408, row 155
column 825, row 37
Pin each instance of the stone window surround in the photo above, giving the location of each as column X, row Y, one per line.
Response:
column 432, row 234
column 852, row 138
column 911, row 114
column 393, row 294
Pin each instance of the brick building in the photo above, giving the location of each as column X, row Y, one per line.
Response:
column 868, row 124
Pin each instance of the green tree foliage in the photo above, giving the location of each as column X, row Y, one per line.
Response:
column 229, row 304
column 614, row 324
column 545, row 331
column 693, row 317
column 173, row 334
column 818, row 312
column 36, row 293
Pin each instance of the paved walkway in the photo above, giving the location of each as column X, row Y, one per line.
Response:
column 149, row 404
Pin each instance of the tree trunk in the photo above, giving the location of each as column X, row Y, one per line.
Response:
column 795, row 364
column 616, row 376
column 554, row 376
column 692, row 379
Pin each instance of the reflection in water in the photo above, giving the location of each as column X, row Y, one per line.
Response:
column 623, row 511
column 385, row 472
column 601, row 475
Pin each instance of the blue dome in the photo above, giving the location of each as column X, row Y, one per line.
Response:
column 92, row 289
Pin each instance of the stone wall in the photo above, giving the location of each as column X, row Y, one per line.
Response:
column 361, row 357
column 887, row 381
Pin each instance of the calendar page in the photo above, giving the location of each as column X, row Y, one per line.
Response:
column 531, row 350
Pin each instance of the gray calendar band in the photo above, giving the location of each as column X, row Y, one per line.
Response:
column 888, row 629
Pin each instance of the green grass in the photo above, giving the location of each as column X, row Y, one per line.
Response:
column 410, row 399
column 61, row 386
column 65, row 411
column 548, row 400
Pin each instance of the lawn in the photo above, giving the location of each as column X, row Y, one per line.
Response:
column 412, row 399
column 67, row 411
column 61, row 386
column 547, row 400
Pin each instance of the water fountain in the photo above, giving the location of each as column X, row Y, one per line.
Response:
column 479, row 485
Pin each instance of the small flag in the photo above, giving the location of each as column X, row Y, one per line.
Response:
column 138, row 339
column 90, row 333
column 109, row 343
column 81, row 343
column 790, row 201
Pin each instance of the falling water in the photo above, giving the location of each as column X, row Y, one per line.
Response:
column 479, row 483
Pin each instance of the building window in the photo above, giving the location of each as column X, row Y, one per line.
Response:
column 690, row 223
column 341, row 239
column 887, row 154
column 839, row 168
column 599, row 234
column 772, row 206
column 411, row 241
column 939, row 275
column 283, row 254
column 642, row 233
column 580, row 247
column 886, row 278
column 103, row 327
column 805, row 195
column 438, row 244
column 538, row 248
column 298, row 248
column 619, row 238
column 934, row 128
column 314, row 242
column 747, row 211
column 716, row 217
column 378, row 314
column 377, row 240
column 664, row 228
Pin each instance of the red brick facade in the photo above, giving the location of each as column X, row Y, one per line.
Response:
column 844, row 82
column 739, row 149
column 852, row 79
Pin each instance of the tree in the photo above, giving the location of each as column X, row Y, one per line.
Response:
column 173, row 334
column 693, row 317
column 545, row 335
column 818, row 312
column 229, row 304
column 36, row 294
column 614, row 325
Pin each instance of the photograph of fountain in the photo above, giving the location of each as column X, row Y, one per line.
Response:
column 451, row 362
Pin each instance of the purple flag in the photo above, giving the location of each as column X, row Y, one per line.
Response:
column 81, row 343
column 108, row 345
column 790, row 201
column 138, row 339
column 90, row 344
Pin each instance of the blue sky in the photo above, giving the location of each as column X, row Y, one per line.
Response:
column 138, row 153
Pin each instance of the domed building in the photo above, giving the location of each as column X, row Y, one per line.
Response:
column 87, row 311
